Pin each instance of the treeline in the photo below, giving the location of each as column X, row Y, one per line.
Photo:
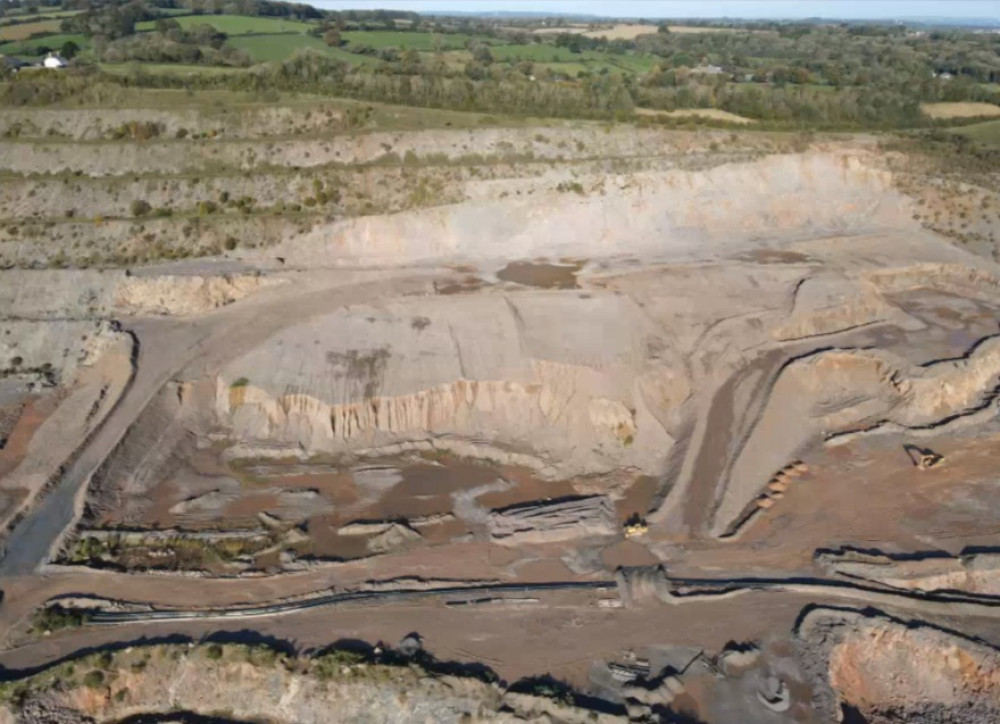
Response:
column 509, row 91
column 170, row 43
column 848, row 55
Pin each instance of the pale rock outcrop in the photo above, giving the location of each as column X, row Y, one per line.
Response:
column 546, row 522
column 524, row 374
column 974, row 573
column 677, row 213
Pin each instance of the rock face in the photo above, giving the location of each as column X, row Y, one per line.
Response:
column 83, row 294
column 522, row 372
column 674, row 213
column 556, row 521
column 839, row 391
column 244, row 684
column 894, row 671
column 977, row 573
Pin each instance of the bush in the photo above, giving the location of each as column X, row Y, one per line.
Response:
column 140, row 208
column 94, row 679
column 214, row 652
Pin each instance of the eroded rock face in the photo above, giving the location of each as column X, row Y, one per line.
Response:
column 895, row 671
column 523, row 372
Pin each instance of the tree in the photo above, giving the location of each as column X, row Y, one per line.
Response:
column 482, row 54
column 69, row 50
column 333, row 38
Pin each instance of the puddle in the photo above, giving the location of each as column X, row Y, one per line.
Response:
column 542, row 274
column 774, row 256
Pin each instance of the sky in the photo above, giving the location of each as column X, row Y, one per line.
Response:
column 854, row 9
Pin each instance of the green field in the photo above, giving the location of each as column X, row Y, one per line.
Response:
column 236, row 24
column 987, row 133
column 565, row 61
column 30, row 47
column 416, row 41
column 265, row 48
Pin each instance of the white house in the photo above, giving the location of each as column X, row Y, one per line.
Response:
column 54, row 60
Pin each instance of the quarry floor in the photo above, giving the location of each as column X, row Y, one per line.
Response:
column 864, row 493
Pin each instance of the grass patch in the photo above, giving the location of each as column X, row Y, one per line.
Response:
column 416, row 41
column 986, row 133
column 236, row 24
column 266, row 48
column 30, row 47
column 26, row 30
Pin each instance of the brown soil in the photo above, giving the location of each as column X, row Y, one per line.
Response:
column 34, row 412
column 541, row 274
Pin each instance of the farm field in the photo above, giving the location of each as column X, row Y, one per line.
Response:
column 415, row 41
column 987, row 133
column 266, row 48
column 236, row 24
column 42, row 15
column 959, row 110
column 26, row 30
column 30, row 47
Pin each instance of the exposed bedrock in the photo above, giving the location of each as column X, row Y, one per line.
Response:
column 844, row 390
column 524, row 373
column 84, row 293
column 674, row 213
column 973, row 573
column 553, row 521
column 892, row 671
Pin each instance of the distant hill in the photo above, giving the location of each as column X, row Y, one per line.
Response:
column 923, row 21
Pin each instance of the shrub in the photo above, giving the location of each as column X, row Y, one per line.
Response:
column 214, row 652
column 140, row 208
column 93, row 679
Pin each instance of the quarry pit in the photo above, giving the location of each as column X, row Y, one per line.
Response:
column 651, row 396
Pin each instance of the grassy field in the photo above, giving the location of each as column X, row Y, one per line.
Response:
column 959, row 110
column 987, row 133
column 26, row 30
column 564, row 60
column 416, row 41
column 236, row 24
column 29, row 47
column 265, row 48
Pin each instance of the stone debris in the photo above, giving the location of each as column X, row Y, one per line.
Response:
column 546, row 522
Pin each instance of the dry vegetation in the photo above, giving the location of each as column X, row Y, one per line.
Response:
column 960, row 110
